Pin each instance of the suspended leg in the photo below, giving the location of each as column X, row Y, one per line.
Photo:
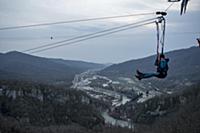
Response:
column 141, row 75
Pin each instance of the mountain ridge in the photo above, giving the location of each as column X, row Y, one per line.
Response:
column 21, row 66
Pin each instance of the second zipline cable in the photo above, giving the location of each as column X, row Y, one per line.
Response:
column 73, row 21
column 96, row 36
column 87, row 35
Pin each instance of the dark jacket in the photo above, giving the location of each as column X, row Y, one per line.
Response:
column 162, row 67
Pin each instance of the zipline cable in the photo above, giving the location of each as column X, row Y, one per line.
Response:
column 131, row 27
column 74, row 38
column 169, row 7
column 74, row 21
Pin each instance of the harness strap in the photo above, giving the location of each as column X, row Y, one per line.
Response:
column 158, row 37
column 163, row 34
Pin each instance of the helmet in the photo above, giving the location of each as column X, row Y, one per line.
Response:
column 162, row 56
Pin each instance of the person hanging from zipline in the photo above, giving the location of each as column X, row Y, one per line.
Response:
column 162, row 68
column 161, row 62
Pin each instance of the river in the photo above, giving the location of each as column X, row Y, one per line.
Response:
column 116, row 122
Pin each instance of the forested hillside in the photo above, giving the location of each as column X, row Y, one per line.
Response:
column 175, row 113
column 37, row 108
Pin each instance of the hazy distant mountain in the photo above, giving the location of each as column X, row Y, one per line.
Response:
column 20, row 66
column 184, row 68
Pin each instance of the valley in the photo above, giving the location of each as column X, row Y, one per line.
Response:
column 79, row 96
column 115, row 92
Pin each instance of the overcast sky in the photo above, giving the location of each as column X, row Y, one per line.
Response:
column 182, row 31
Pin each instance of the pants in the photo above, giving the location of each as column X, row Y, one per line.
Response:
column 149, row 75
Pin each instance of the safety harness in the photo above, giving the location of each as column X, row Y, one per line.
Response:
column 160, row 28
